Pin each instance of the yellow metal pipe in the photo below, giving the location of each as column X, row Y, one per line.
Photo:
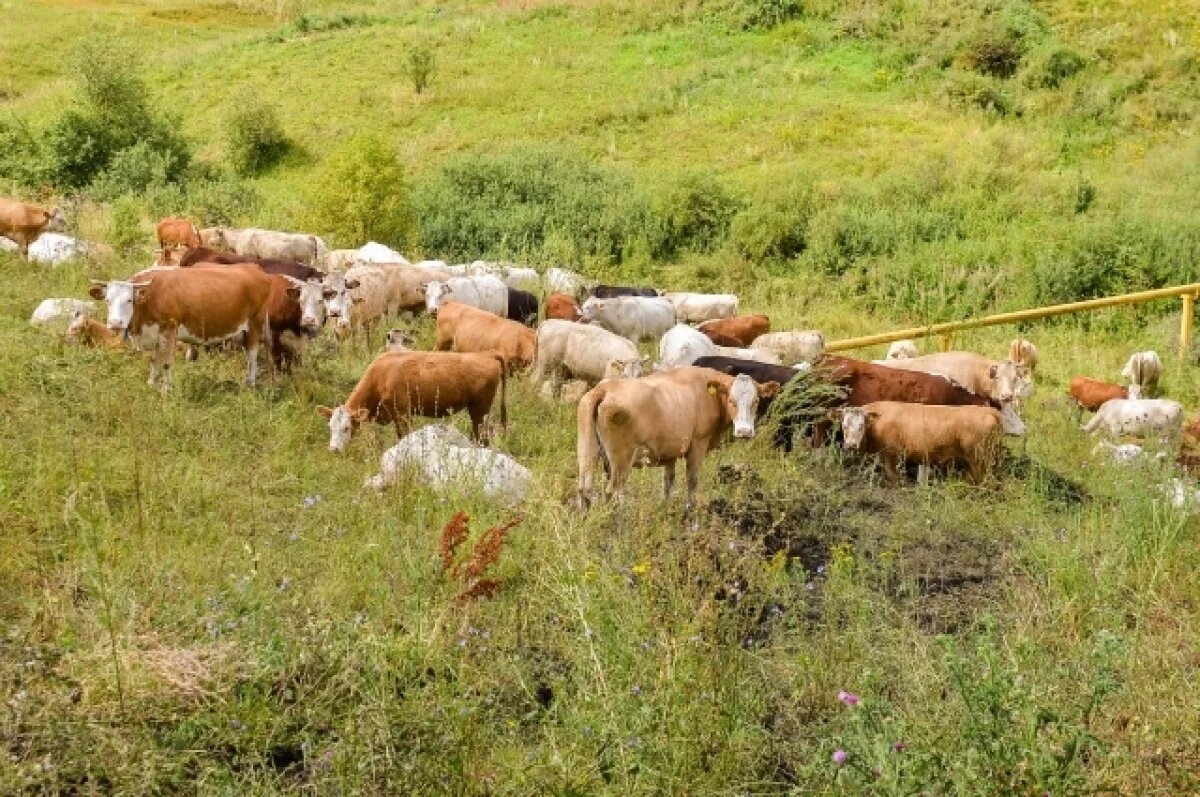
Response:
column 1185, row 325
column 950, row 327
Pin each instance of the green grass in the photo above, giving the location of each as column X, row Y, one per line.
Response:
column 179, row 612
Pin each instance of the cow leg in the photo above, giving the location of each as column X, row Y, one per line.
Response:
column 923, row 472
column 890, row 468
column 162, row 358
column 695, row 458
column 668, row 477
column 478, row 430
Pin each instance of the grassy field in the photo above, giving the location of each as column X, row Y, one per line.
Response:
column 196, row 596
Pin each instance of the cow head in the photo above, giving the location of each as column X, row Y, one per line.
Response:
column 626, row 369
column 741, row 397
column 436, row 294
column 342, row 425
column 902, row 350
column 121, row 296
column 1009, row 380
column 854, row 425
column 57, row 221
column 311, row 296
column 75, row 328
column 589, row 310
column 338, row 301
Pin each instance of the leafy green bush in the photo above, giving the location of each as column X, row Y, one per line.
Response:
column 696, row 213
column 774, row 227
column 256, row 139
column 1001, row 39
column 543, row 204
column 22, row 159
column 133, row 170
column 420, row 66
column 842, row 234
column 211, row 198
column 1049, row 67
column 766, row 14
column 970, row 90
column 360, row 194
column 124, row 225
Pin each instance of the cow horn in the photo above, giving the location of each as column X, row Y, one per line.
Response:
column 98, row 282
column 297, row 282
column 141, row 284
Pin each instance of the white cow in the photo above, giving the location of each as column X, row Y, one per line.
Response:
column 53, row 248
column 1143, row 371
column 443, row 458
column 486, row 293
column 590, row 353
column 697, row 307
column 437, row 265
column 521, row 278
column 683, row 345
column 902, row 350
column 561, row 280
column 372, row 252
column 254, row 242
column 634, row 317
column 53, row 311
column 793, row 347
column 1162, row 418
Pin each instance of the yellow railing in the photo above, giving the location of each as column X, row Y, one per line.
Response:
column 946, row 330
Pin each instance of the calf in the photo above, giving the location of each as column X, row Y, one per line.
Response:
column 660, row 418
column 397, row 386
column 87, row 331
column 1089, row 394
column 522, row 307
column 738, row 331
column 177, row 232
column 1138, row 418
column 932, row 435
column 562, row 307
column 463, row 328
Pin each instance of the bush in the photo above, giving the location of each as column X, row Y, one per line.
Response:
column 967, row 90
column 773, row 227
column 842, row 234
column 1050, row 67
column 210, row 198
column 696, row 213
column 766, row 14
column 22, row 159
column 133, row 170
column 1000, row 41
column 421, row 66
column 360, row 194
column 124, row 226
column 256, row 138
column 544, row 204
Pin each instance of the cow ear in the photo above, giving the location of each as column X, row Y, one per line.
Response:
column 360, row 415
column 293, row 292
column 351, row 284
column 717, row 388
column 96, row 292
column 325, row 411
column 768, row 389
column 992, row 372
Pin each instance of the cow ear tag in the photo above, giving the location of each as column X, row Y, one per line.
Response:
column 712, row 391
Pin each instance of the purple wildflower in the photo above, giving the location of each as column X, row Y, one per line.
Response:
column 849, row 698
column 840, row 756
column 898, row 746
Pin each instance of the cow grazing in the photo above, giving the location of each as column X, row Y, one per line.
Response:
column 569, row 350
column 1089, row 394
column 521, row 278
column 738, row 331
column 615, row 291
column 406, row 285
column 522, row 307
column 1143, row 370
column 563, row 307
column 561, row 280
column 902, row 350
column 929, row 434
column 397, row 386
column 463, row 328
column 286, row 268
column 1160, row 418
column 87, row 331
column 266, row 244
column 660, row 418
column 634, row 317
column 443, row 458
column 793, row 347
column 399, row 340
column 485, row 292
column 55, row 311
column 697, row 307
column 24, row 223
column 1002, row 381
column 177, row 232
column 1023, row 352
column 202, row 305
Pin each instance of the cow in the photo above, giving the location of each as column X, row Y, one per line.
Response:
column 563, row 307
column 399, row 385
column 267, row 244
column 1143, row 370
column 340, row 259
column 177, row 232
column 463, row 328
column 1090, row 394
column 682, row 345
column 270, row 265
column 295, row 312
column 1001, row 380
column 738, row 331
column 1023, row 352
column 660, row 418
column 486, row 293
column 761, row 373
column 84, row 330
column 522, row 307
column 357, row 299
column 406, row 286
column 561, row 280
column 634, row 317
column 902, row 350
column 523, row 279
column 372, row 252
column 24, row 223
column 55, row 311
column 566, row 349
column 1138, row 418
column 929, row 434
column 792, row 347
column 444, row 459
column 615, row 291
column 202, row 305
column 696, row 307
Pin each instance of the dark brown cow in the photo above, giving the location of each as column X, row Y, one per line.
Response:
column 562, row 307
column 173, row 231
column 741, row 329
column 295, row 311
column 398, row 385
column 287, row 268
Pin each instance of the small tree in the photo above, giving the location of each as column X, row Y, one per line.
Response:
column 256, row 138
column 359, row 194
column 421, row 66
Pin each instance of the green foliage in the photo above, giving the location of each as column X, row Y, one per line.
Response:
column 359, row 194
column 124, row 225
column 766, row 14
column 1000, row 40
column 256, row 140
column 1049, row 67
column 696, row 212
column 773, row 226
column 22, row 160
column 210, row 197
column 133, row 170
column 542, row 204
column 970, row 90
column 420, row 66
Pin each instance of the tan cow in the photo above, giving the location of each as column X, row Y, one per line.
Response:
column 202, row 305
column 1002, row 381
column 399, row 385
column 87, row 331
column 177, row 232
column 406, row 286
column 929, row 434
column 23, row 223
column 463, row 328
column 658, row 419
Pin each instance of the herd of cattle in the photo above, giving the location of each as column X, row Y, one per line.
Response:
column 716, row 370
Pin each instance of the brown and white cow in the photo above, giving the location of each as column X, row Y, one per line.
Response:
column 23, row 222
column 177, row 232
column 295, row 312
column 399, row 385
column 1089, row 394
column 287, row 268
column 463, row 328
column 562, row 307
column 203, row 305
column 681, row 413
column 738, row 331
column 928, row 434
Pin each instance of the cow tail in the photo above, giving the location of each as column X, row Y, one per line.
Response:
column 503, row 391
column 587, row 447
